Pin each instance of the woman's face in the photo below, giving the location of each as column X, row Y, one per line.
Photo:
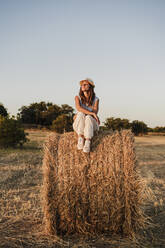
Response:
column 85, row 86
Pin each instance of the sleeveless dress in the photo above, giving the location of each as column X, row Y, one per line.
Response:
column 85, row 106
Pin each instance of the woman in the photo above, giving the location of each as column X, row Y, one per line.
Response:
column 86, row 120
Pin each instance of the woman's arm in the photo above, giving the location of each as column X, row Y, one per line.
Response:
column 95, row 108
column 81, row 109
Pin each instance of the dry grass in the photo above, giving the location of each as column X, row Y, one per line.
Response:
column 20, row 203
column 20, row 185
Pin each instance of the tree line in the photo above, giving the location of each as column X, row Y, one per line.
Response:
column 57, row 118
column 52, row 116
column 137, row 127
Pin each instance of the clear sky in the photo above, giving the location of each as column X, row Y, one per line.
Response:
column 48, row 46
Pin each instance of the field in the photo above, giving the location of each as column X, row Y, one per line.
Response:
column 21, row 204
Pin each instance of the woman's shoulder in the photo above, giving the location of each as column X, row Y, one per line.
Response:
column 77, row 98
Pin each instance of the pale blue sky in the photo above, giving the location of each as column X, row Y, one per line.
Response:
column 48, row 46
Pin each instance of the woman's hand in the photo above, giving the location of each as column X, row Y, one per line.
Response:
column 96, row 118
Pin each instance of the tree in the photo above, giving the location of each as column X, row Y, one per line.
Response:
column 3, row 110
column 11, row 132
column 63, row 123
column 52, row 112
column 27, row 115
column 67, row 110
column 116, row 123
column 139, row 127
column 43, row 113
column 32, row 114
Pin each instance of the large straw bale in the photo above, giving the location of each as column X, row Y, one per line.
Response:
column 92, row 193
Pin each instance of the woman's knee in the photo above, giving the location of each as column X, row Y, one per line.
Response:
column 80, row 115
column 88, row 118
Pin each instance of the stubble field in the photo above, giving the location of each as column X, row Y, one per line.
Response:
column 21, row 206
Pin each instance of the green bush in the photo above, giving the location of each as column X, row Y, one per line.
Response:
column 11, row 132
column 139, row 127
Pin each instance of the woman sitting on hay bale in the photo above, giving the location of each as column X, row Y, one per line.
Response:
column 86, row 120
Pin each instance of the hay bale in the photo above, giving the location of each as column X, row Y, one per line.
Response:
column 91, row 193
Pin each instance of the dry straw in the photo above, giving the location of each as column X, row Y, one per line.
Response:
column 96, row 193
